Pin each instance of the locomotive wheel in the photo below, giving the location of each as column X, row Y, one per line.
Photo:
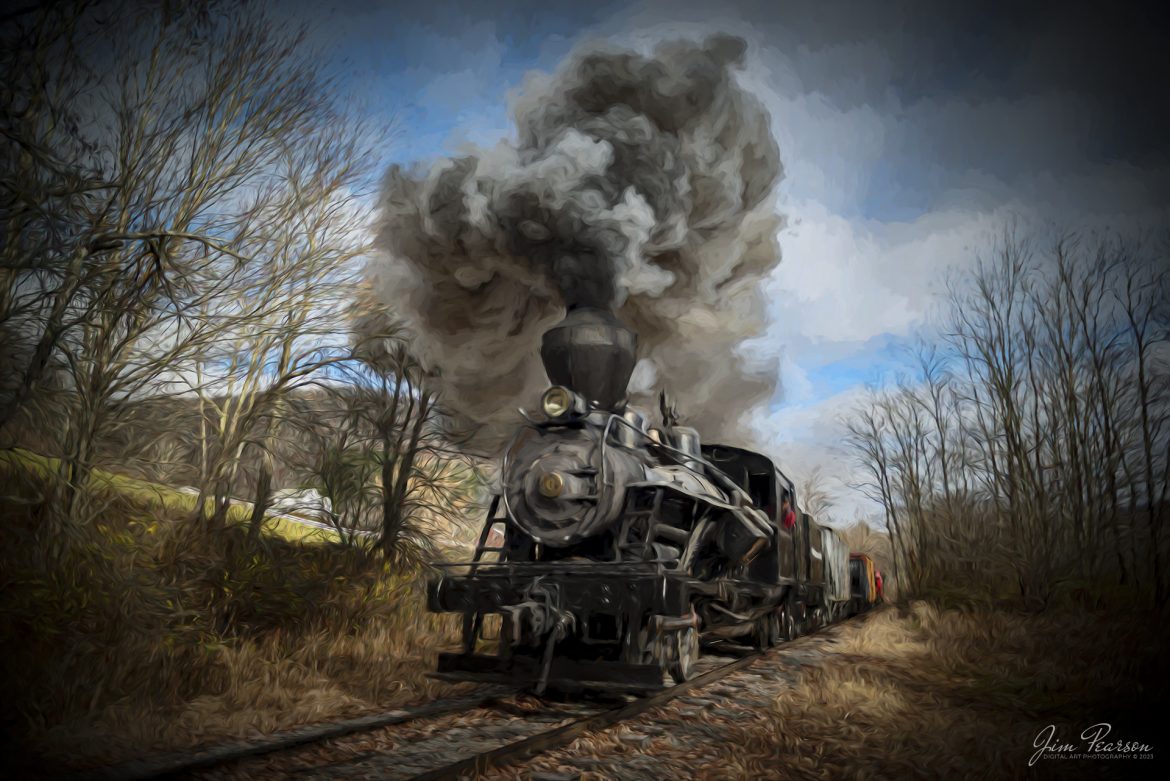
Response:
column 768, row 631
column 790, row 630
column 684, row 647
column 775, row 628
column 643, row 650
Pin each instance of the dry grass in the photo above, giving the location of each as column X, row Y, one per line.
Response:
column 138, row 633
column 933, row 693
column 913, row 692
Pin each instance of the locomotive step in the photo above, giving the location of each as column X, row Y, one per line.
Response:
column 566, row 675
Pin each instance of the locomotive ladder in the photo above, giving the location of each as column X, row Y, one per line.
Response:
column 473, row 622
column 481, row 547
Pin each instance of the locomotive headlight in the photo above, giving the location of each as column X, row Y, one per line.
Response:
column 556, row 402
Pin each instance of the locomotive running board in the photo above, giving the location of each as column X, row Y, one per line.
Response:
column 566, row 675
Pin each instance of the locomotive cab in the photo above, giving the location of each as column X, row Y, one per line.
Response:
column 766, row 485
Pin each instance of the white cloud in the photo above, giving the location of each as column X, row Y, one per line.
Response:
column 805, row 437
column 797, row 386
column 845, row 281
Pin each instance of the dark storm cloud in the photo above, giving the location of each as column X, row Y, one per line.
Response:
column 1079, row 84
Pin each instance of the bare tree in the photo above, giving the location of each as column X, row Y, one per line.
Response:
column 51, row 194
column 1144, row 298
column 184, row 219
column 336, row 460
column 284, row 324
column 424, row 473
column 1028, row 445
column 865, row 437
column 814, row 495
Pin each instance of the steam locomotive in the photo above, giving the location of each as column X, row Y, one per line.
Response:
column 614, row 547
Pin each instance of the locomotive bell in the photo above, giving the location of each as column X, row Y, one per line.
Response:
column 592, row 353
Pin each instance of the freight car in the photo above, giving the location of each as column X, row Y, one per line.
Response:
column 614, row 546
column 863, row 592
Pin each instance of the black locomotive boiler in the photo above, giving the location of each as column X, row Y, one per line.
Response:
column 613, row 546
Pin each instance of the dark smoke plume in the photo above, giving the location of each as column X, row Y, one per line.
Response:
column 638, row 183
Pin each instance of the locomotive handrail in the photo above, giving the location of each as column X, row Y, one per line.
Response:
column 717, row 473
column 680, row 457
column 686, row 492
column 649, row 567
column 558, row 565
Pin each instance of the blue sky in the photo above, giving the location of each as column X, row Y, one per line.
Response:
column 911, row 136
column 441, row 71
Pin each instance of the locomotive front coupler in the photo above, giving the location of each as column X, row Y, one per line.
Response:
column 539, row 620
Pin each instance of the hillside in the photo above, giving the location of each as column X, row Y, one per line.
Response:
column 143, row 631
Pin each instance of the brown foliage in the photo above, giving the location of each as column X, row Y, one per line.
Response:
column 141, row 632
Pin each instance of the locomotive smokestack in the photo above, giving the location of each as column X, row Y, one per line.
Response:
column 592, row 353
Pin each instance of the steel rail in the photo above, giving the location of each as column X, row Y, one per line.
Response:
column 559, row 736
column 566, row 733
column 176, row 764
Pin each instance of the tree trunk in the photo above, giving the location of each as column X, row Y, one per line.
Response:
column 390, row 510
column 263, row 497
column 54, row 328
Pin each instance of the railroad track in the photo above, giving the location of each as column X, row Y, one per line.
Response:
column 448, row 739
column 180, row 764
